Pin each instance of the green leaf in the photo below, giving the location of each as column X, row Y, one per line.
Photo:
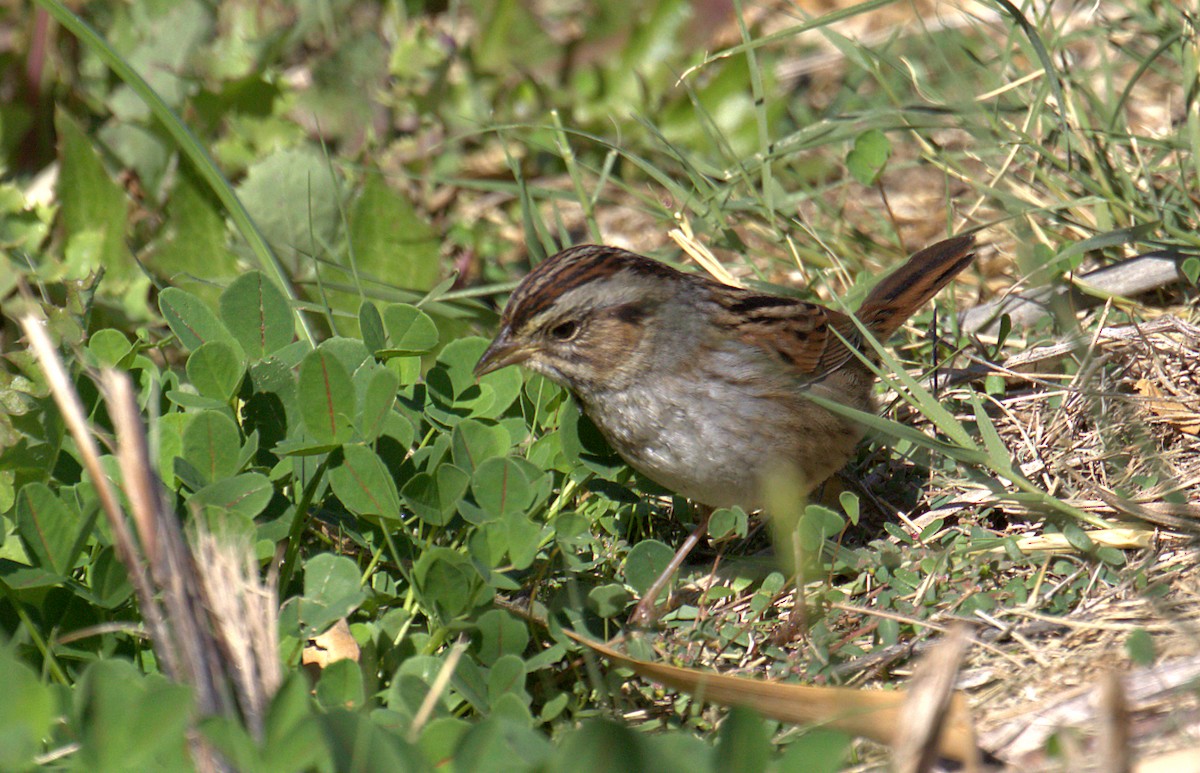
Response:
column 363, row 484
column 645, row 562
column 816, row 751
column 216, row 370
column 507, row 677
column 109, row 581
column 474, row 442
column 378, row 401
column 190, row 319
column 354, row 738
column 870, row 155
column 295, row 203
column 524, row 539
column 109, row 346
column 90, row 202
column 609, row 600
column 129, row 721
column 410, row 330
column 583, row 444
column 370, row 323
column 500, row 487
column 48, row 529
column 742, row 742
column 392, row 243
column 341, row 685
column 332, row 590
column 1078, row 538
column 448, row 583
column 26, row 714
column 441, row 738
column 727, row 523
column 500, row 634
column 246, row 495
column 1140, row 646
column 1191, row 269
column 594, row 742
column 194, row 234
column 211, row 445
column 493, row 744
column 258, row 315
column 817, row 524
column 326, row 397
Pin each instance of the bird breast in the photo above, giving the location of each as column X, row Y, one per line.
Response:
column 709, row 430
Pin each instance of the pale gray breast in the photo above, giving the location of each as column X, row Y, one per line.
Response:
column 710, row 426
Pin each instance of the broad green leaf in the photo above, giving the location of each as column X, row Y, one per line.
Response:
column 500, row 634
column 448, row 583
column 474, row 442
column 817, row 524
column 645, row 562
column 370, row 323
column 377, row 403
column 108, row 580
column 258, row 315
column 507, row 676
column 441, row 738
column 583, row 444
column 364, row 485
column 870, row 155
column 216, row 370
column 190, row 319
column 410, row 330
column 500, row 487
column 133, row 722
column 491, row 745
column 295, row 202
column 350, row 352
column 26, row 713
column 609, row 600
column 47, row 528
column 420, row 493
column 332, row 590
column 326, row 397
column 194, row 234
column 355, row 738
column 90, row 201
column 392, row 242
column 211, row 445
column 247, row 494
column 524, row 539
column 341, row 685
column 743, row 743
column 109, row 346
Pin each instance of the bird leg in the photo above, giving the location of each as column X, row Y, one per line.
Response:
column 645, row 614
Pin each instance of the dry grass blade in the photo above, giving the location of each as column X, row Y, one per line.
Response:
column 1114, row 726
column 212, row 622
column 927, row 707
column 874, row 714
column 244, row 612
column 127, row 550
column 171, row 564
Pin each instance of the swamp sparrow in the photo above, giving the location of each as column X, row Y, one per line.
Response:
column 699, row 386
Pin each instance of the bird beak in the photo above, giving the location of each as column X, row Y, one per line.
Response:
column 502, row 353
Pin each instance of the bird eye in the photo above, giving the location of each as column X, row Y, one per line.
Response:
column 564, row 331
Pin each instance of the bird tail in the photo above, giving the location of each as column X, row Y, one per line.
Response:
column 906, row 289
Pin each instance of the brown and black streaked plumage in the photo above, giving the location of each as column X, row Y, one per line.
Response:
column 700, row 386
